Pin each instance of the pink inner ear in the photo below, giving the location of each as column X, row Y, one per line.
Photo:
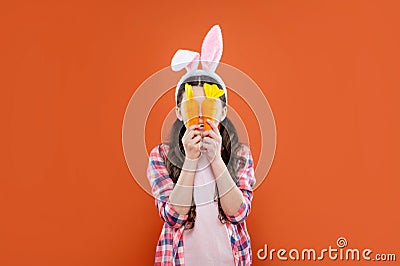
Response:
column 211, row 50
column 194, row 63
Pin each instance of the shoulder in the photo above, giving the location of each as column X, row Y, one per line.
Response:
column 243, row 150
column 160, row 150
column 244, row 157
column 246, row 167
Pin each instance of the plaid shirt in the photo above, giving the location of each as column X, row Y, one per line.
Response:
column 169, row 249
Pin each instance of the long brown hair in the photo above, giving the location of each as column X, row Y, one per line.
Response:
column 230, row 145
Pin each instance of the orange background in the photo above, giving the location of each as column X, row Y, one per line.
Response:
column 329, row 70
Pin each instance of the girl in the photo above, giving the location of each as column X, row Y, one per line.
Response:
column 202, row 178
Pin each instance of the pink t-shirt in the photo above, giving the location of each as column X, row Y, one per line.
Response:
column 207, row 243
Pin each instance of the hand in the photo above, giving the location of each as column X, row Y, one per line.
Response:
column 191, row 141
column 212, row 142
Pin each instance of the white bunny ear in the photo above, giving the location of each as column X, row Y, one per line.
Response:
column 211, row 50
column 185, row 59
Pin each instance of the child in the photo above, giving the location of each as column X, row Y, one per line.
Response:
column 202, row 178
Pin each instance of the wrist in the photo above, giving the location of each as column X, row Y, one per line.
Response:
column 190, row 164
column 217, row 160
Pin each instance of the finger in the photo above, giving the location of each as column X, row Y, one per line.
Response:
column 196, row 139
column 211, row 134
column 192, row 127
column 213, row 125
column 196, row 133
column 207, row 139
column 193, row 133
column 214, row 128
column 209, row 142
column 199, row 143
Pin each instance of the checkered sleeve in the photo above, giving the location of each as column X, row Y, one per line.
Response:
column 246, row 182
column 161, row 187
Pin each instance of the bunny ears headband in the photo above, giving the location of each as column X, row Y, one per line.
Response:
column 211, row 52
